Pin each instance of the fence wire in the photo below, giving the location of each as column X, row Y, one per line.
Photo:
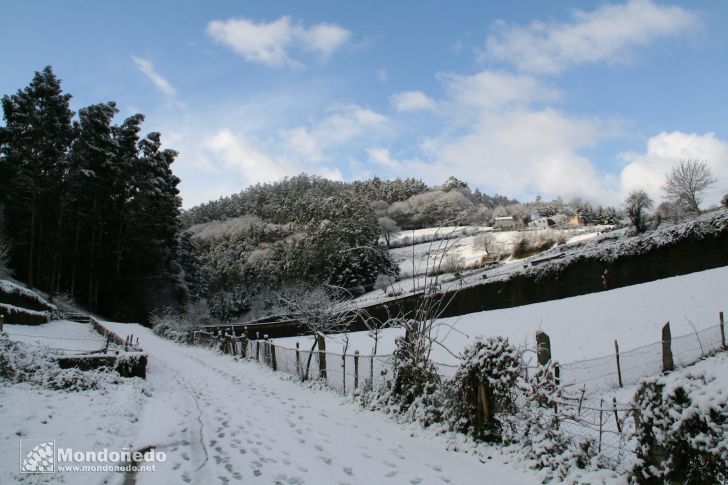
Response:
column 602, row 374
column 581, row 413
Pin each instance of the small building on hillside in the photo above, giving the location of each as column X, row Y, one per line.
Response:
column 505, row 222
column 541, row 223
column 578, row 220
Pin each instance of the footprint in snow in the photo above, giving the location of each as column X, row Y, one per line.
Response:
column 348, row 470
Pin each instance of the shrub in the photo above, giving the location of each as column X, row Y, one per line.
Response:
column 681, row 431
column 172, row 325
column 528, row 245
column 37, row 365
column 412, row 377
column 486, row 379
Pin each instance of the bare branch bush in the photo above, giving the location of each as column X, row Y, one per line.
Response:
column 322, row 309
column 415, row 375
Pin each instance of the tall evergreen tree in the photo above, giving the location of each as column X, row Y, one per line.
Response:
column 34, row 143
column 92, row 178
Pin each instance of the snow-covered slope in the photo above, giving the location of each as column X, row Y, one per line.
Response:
column 580, row 327
column 61, row 335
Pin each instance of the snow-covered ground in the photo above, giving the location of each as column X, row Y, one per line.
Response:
column 580, row 327
column 221, row 421
column 61, row 335
column 445, row 247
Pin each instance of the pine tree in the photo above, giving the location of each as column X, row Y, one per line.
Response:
column 35, row 143
column 91, row 179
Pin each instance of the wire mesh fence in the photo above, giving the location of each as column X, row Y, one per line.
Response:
column 624, row 368
column 342, row 372
column 585, row 410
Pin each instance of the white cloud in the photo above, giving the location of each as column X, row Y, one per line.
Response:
column 147, row 68
column 323, row 39
column 273, row 43
column 412, row 101
column 239, row 155
column 526, row 153
column 647, row 170
column 381, row 157
column 607, row 34
column 341, row 126
column 491, row 90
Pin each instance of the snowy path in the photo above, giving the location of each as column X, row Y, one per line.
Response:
column 223, row 421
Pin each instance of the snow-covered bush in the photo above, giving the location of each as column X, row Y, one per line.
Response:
column 682, row 430
column 170, row 324
column 413, row 376
column 484, row 387
column 528, row 244
column 37, row 365
column 414, row 392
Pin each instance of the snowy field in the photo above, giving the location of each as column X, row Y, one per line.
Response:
column 60, row 335
column 580, row 327
column 444, row 247
column 462, row 253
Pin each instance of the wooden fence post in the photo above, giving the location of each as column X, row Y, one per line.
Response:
column 2, row 322
column 343, row 372
column 616, row 415
column 543, row 347
column 356, row 369
column 322, row 356
column 722, row 329
column 257, row 350
column 667, row 362
column 299, row 371
column 486, row 406
column 274, row 363
column 619, row 368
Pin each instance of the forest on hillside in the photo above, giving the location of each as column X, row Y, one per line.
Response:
column 241, row 250
column 90, row 208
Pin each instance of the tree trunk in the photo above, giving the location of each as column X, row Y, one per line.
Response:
column 31, row 249
column 74, row 269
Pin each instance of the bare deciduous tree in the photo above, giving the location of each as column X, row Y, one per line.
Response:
column 636, row 204
column 387, row 226
column 686, row 181
column 321, row 309
column 485, row 241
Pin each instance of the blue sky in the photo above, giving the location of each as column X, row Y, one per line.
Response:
column 562, row 98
